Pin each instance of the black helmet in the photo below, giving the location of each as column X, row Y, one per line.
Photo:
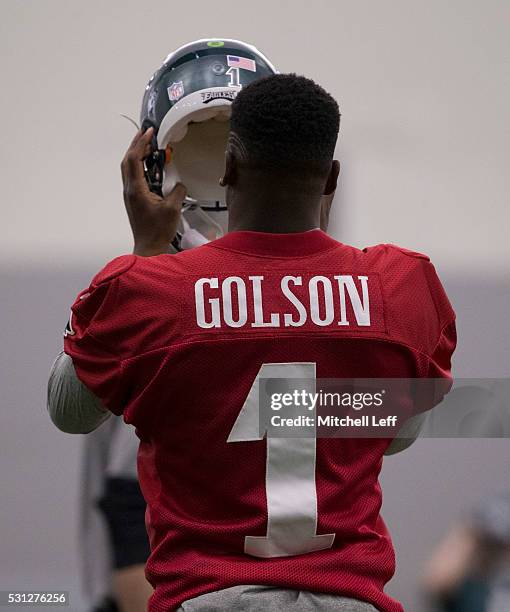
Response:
column 188, row 101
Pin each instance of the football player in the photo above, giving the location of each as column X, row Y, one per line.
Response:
column 177, row 344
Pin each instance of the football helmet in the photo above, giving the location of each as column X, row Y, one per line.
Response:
column 188, row 102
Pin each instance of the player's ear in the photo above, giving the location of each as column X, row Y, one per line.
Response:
column 332, row 179
column 230, row 175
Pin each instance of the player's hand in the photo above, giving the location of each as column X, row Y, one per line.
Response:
column 153, row 219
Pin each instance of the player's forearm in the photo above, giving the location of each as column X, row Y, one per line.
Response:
column 72, row 407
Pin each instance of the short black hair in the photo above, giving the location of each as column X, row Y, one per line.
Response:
column 285, row 119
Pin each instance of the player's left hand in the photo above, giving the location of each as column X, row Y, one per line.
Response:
column 153, row 219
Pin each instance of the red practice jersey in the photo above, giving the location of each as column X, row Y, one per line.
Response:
column 175, row 343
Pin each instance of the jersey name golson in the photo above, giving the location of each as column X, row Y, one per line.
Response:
column 323, row 301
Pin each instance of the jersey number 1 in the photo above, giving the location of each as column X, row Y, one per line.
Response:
column 290, row 477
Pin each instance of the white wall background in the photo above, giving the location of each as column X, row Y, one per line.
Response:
column 424, row 88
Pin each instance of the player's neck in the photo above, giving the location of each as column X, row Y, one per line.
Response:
column 273, row 225
column 274, row 216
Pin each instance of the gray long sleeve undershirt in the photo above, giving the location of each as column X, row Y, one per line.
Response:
column 72, row 407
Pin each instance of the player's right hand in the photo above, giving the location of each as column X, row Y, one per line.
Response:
column 153, row 219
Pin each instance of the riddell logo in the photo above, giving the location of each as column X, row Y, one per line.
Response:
column 226, row 94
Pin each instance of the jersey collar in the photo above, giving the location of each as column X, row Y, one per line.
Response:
column 276, row 245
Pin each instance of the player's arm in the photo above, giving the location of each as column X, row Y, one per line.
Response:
column 85, row 385
column 71, row 406
column 407, row 434
column 79, row 403
column 439, row 357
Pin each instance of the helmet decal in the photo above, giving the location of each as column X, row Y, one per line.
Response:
column 225, row 94
column 176, row 91
column 243, row 63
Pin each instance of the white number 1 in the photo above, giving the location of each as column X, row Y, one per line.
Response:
column 233, row 74
column 290, row 476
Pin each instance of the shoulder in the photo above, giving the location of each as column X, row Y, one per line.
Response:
column 114, row 269
column 410, row 270
column 411, row 284
column 399, row 263
column 394, row 251
column 138, row 272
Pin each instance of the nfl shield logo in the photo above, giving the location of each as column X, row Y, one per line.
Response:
column 176, row 91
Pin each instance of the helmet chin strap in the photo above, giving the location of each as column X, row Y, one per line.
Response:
column 170, row 178
column 189, row 237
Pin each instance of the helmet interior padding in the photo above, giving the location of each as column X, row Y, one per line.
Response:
column 198, row 160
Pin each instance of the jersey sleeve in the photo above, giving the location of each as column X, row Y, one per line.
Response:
column 440, row 353
column 440, row 365
column 95, row 337
column 446, row 338
column 419, row 312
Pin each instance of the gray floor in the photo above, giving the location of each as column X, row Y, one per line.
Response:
column 424, row 489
